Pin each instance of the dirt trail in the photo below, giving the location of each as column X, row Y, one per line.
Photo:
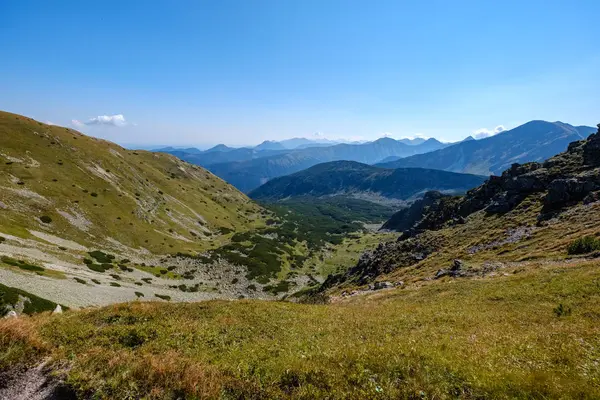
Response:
column 33, row 384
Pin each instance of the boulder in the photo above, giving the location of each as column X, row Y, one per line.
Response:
column 561, row 191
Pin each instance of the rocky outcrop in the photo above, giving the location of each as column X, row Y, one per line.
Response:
column 563, row 180
column 566, row 178
column 386, row 258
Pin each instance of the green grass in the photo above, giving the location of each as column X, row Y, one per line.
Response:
column 497, row 338
column 158, row 271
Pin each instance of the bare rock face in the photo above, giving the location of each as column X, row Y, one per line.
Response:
column 591, row 152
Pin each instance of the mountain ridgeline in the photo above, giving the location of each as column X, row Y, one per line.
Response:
column 248, row 168
column 349, row 178
column 533, row 141
column 564, row 179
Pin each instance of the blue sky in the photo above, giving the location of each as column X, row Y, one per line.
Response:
column 239, row 72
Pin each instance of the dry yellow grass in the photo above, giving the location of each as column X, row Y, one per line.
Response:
column 493, row 337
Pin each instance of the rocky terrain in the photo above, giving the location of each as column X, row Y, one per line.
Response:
column 529, row 201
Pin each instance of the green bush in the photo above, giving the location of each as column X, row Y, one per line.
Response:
column 163, row 296
column 102, row 257
column 139, row 294
column 79, row 280
column 21, row 264
column 584, row 245
column 9, row 296
column 45, row 219
column 98, row 267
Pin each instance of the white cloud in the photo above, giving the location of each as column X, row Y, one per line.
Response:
column 484, row 132
column 50, row 123
column 107, row 120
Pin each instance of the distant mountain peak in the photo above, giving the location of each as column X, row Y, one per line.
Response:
column 219, row 147
column 270, row 145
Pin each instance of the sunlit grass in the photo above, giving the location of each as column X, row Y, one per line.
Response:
column 480, row 338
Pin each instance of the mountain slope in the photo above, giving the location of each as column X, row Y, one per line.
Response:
column 533, row 141
column 84, row 221
column 94, row 190
column 356, row 179
column 551, row 203
column 250, row 174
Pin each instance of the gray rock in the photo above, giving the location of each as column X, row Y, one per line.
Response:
column 57, row 310
column 11, row 314
column 441, row 273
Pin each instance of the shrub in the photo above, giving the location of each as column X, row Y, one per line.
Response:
column 584, row 245
column 96, row 281
column 139, row 294
column 102, row 257
column 562, row 311
column 163, row 297
column 21, row 264
column 45, row 219
column 94, row 194
column 79, row 280
column 97, row 267
column 115, row 284
column 2, row 239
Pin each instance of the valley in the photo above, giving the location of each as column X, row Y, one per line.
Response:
column 432, row 305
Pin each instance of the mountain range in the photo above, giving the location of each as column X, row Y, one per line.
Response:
column 533, row 141
column 250, row 174
column 354, row 179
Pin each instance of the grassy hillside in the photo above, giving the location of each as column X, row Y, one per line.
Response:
column 502, row 337
column 94, row 191
column 356, row 179
column 65, row 197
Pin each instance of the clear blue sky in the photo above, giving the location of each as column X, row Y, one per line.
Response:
column 239, row 72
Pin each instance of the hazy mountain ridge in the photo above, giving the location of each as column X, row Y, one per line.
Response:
column 249, row 174
column 533, row 141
